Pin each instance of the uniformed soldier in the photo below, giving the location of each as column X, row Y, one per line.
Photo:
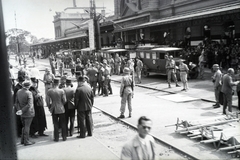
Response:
column 171, row 71
column 126, row 92
column 48, row 80
column 139, row 67
column 92, row 74
column 107, row 89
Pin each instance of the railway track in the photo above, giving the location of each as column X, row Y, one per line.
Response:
column 114, row 133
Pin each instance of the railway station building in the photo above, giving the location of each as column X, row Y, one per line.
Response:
column 149, row 22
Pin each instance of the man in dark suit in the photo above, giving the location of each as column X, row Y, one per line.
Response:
column 84, row 99
column 92, row 74
column 24, row 104
column 69, row 106
column 55, row 101
column 227, row 90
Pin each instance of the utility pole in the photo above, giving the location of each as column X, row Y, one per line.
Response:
column 96, row 25
column 18, row 46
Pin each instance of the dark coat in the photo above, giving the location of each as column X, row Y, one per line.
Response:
column 70, row 92
column 58, row 99
column 24, row 102
column 84, row 98
column 39, row 122
column 92, row 74
column 227, row 84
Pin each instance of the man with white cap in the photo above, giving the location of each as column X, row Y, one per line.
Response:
column 126, row 92
column 24, row 104
column 217, row 84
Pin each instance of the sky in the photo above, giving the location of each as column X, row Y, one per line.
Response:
column 36, row 16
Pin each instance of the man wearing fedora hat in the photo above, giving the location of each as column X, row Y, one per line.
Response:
column 216, row 79
column 24, row 104
column 69, row 106
column 83, row 100
column 126, row 92
column 55, row 101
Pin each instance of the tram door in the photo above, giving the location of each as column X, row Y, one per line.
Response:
column 161, row 62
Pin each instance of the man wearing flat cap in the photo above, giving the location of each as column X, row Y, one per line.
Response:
column 126, row 92
column 55, row 101
column 24, row 104
column 83, row 100
column 217, row 84
column 69, row 106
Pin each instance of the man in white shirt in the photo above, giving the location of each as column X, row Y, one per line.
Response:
column 142, row 146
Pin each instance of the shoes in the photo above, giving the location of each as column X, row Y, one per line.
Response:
column 56, row 140
column 80, row 137
column 183, row 90
column 29, row 143
column 105, row 95
column 34, row 136
column 130, row 115
column 121, row 116
column 22, row 142
column 110, row 93
column 177, row 85
column 169, row 86
column 43, row 135
column 217, row 106
column 89, row 135
column 65, row 138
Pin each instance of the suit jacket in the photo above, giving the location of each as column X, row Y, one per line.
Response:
column 92, row 74
column 70, row 92
column 217, row 77
column 227, row 84
column 24, row 102
column 84, row 98
column 133, row 150
column 55, row 100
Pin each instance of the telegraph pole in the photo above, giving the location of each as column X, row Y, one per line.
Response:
column 96, row 25
column 18, row 47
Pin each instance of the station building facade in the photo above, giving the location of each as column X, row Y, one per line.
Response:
column 162, row 22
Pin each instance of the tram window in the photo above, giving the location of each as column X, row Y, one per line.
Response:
column 154, row 56
column 147, row 55
column 142, row 54
column 161, row 55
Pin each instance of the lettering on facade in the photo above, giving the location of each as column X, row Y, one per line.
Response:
column 91, row 34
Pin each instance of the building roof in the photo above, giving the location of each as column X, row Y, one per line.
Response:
column 195, row 15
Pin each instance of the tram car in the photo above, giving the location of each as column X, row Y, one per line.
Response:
column 154, row 60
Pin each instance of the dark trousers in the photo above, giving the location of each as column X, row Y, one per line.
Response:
column 70, row 116
column 85, row 122
column 93, row 85
column 238, row 93
column 227, row 102
column 59, row 120
column 100, row 87
column 26, row 121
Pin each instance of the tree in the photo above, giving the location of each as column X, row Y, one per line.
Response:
column 19, row 40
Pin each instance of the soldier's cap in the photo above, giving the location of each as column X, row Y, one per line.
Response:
column 34, row 79
column 68, row 81
column 56, row 80
column 215, row 66
column 26, row 84
column 126, row 70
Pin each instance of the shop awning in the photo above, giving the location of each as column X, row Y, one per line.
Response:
column 194, row 15
column 59, row 40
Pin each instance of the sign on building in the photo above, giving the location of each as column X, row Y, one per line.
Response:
column 91, row 34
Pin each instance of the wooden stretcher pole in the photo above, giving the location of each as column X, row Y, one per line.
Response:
column 7, row 125
column 205, row 125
